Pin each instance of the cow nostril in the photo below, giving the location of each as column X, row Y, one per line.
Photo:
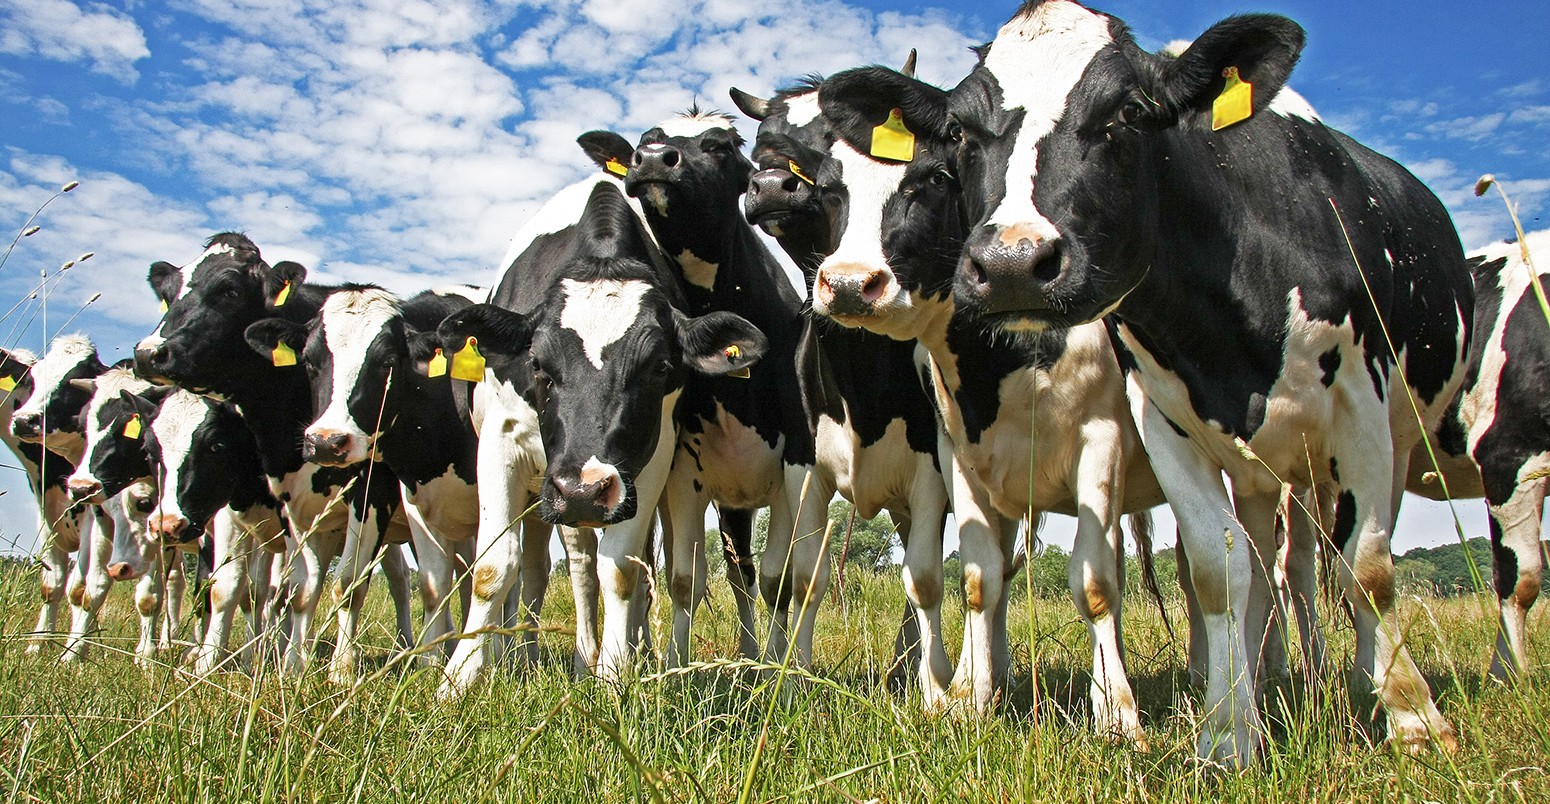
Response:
column 874, row 287
column 670, row 158
column 635, row 159
column 791, row 184
column 1046, row 267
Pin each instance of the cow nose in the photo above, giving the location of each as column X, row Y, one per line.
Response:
column 167, row 527
column 27, row 426
column 589, row 499
column 851, row 288
column 122, row 571
column 656, row 158
column 772, row 191
column 82, row 490
column 1006, row 269
column 326, row 447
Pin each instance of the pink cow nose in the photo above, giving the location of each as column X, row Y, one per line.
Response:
column 167, row 526
column 122, row 571
column 82, row 490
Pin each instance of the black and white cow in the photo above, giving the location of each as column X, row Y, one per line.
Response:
column 367, row 353
column 59, row 521
column 1289, row 300
column 1495, row 441
column 745, row 441
column 588, row 349
column 876, row 427
column 212, row 488
column 1032, row 423
column 200, row 345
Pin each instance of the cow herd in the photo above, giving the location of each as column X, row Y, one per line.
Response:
column 1087, row 280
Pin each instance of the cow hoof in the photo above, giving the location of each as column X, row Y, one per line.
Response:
column 1228, row 747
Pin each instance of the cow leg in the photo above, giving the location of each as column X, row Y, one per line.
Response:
column 808, row 493
column 984, row 569
column 1302, row 581
column 1199, row 652
column 227, row 579
column 349, row 591
column 175, row 584
column 1219, row 569
column 435, row 577
column 581, row 553
column 923, row 580
column 1096, row 577
column 259, row 566
column 906, row 640
column 54, row 576
column 308, row 566
column 536, row 569
column 92, row 571
column 1517, row 564
column 395, row 570
column 1257, row 514
column 742, row 576
column 775, row 574
column 686, row 567
column 1363, row 516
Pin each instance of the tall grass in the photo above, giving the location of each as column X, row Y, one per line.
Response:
column 106, row 730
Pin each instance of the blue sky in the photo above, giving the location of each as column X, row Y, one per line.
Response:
column 403, row 142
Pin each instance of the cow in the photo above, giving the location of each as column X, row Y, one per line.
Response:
column 200, row 345
column 1292, row 306
column 745, row 442
column 584, row 349
column 59, row 520
column 367, row 353
column 1030, row 424
column 876, row 427
column 212, row 489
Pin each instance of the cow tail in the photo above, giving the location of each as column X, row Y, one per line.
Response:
column 1141, row 529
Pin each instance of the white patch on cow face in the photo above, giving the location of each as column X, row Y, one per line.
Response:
column 802, row 109
column 601, row 312
column 186, row 274
column 1037, row 59
column 696, row 271
column 64, row 354
column 179, row 419
column 1288, row 103
column 693, row 125
column 469, row 292
column 869, row 184
column 351, row 320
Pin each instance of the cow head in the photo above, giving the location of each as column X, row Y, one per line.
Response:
column 15, row 382
column 115, row 448
column 200, row 342
column 795, row 192
column 356, row 349
column 134, row 551
column 51, row 415
column 606, row 359
column 1058, row 130
column 200, row 448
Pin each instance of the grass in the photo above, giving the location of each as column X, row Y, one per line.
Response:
column 106, row 730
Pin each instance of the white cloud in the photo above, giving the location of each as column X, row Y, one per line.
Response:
column 107, row 40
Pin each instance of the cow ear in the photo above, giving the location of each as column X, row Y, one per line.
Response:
column 1263, row 48
column 752, row 105
column 281, row 280
column 267, row 335
column 87, row 384
column 719, row 342
column 859, row 101
column 499, row 332
column 166, row 281
column 422, row 347
column 143, row 406
column 610, row 151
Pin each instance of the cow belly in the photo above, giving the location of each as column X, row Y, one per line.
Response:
column 734, row 463
column 449, row 505
column 871, row 477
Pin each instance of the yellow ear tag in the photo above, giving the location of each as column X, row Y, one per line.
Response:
column 796, row 170
column 437, row 366
column 1235, row 104
column 283, row 356
column 467, row 363
column 284, row 295
column 615, row 167
column 6, row 383
column 892, row 140
column 163, row 306
column 133, row 427
column 733, row 352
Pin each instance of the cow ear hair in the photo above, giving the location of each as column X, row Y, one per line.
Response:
column 606, row 147
column 277, row 276
column 143, row 406
column 858, row 100
column 1263, row 47
column 754, row 106
column 87, row 384
column 719, row 342
column 166, row 280
column 500, row 332
column 422, row 347
column 265, row 334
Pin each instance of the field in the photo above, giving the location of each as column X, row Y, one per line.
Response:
column 106, row 730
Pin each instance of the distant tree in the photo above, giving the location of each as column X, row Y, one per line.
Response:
column 871, row 541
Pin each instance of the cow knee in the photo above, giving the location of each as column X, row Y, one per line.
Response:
column 1374, row 578
column 487, row 582
column 681, row 588
column 1097, row 598
column 623, row 582
column 150, row 604
column 1526, row 591
column 924, row 590
column 78, row 595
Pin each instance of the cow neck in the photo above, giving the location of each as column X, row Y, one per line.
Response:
column 748, row 279
column 275, row 402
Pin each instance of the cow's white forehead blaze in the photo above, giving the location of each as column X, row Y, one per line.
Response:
column 601, row 312
column 693, row 125
column 107, row 386
column 802, row 109
column 64, row 354
column 186, row 271
column 181, row 415
column 870, row 184
column 1037, row 59
column 351, row 320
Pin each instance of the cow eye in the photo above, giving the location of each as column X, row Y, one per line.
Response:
column 955, row 131
column 216, row 448
column 940, row 178
column 663, row 368
column 1133, row 111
